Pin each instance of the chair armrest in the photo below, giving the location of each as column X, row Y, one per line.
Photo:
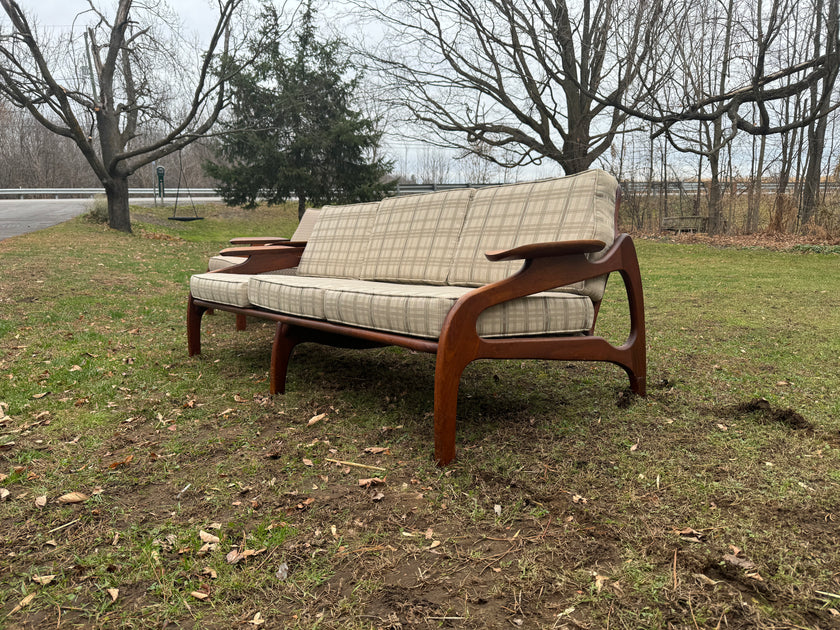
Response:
column 544, row 250
column 550, row 266
column 262, row 259
column 258, row 240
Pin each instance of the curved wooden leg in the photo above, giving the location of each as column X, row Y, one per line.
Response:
column 448, row 370
column 194, row 314
column 281, row 351
column 240, row 322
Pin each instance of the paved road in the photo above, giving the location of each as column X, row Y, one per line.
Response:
column 20, row 216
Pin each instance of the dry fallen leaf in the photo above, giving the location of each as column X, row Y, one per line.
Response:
column 200, row 595
column 234, row 556
column 73, row 497
column 43, row 580
column 210, row 572
column 22, row 603
column 600, row 580
column 257, row 620
column 123, row 462
column 307, row 462
column 41, row 501
column 315, row 419
column 207, row 538
column 371, row 481
column 378, row 450
column 4, row 494
column 741, row 563
column 114, row 593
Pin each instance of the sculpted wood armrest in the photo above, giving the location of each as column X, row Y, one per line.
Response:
column 544, row 250
column 549, row 266
column 263, row 258
column 258, row 240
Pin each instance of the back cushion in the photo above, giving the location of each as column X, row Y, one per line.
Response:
column 569, row 208
column 338, row 243
column 414, row 237
column 306, row 225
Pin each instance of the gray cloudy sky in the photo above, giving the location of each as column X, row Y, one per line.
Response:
column 197, row 15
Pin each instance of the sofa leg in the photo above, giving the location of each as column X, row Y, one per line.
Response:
column 194, row 314
column 281, row 352
column 241, row 322
column 447, row 382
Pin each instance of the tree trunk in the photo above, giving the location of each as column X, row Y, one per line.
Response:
column 301, row 204
column 754, row 206
column 117, row 192
column 716, row 222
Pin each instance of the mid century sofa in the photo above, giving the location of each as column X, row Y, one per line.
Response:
column 506, row 272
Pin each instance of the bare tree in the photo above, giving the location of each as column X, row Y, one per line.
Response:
column 118, row 75
column 518, row 74
column 825, row 35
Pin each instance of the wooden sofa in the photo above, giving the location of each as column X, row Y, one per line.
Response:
column 507, row 272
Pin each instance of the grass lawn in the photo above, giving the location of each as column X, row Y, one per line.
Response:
column 141, row 488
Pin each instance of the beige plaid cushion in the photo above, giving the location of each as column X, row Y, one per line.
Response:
column 223, row 262
column 417, row 310
column 338, row 242
column 294, row 295
column 413, row 237
column 580, row 206
column 306, row 225
column 224, row 288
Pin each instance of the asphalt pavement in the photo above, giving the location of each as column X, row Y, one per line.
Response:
column 20, row 216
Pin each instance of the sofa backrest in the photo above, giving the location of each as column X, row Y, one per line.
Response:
column 576, row 207
column 306, row 225
column 441, row 237
column 413, row 237
column 338, row 243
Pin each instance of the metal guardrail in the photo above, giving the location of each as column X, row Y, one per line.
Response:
column 59, row 193
column 671, row 187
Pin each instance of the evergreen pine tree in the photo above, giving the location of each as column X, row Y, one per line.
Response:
column 293, row 131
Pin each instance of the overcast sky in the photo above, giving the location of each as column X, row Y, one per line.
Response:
column 199, row 16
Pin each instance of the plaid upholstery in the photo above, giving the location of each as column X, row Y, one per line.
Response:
column 338, row 244
column 417, row 310
column 413, row 237
column 224, row 288
column 293, row 295
column 223, row 262
column 306, row 225
column 580, row 206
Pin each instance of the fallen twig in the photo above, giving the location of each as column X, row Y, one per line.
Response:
column 343, row 463
column 55, row 529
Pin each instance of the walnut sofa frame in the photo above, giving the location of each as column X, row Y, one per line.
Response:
column 545, row 266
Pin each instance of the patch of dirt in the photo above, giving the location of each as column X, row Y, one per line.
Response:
column 765, row 413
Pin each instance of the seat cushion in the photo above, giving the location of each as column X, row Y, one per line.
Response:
column 417, row 310
column 224, row 288
column 338, row 243
column 413, row 237
column 577, row 207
